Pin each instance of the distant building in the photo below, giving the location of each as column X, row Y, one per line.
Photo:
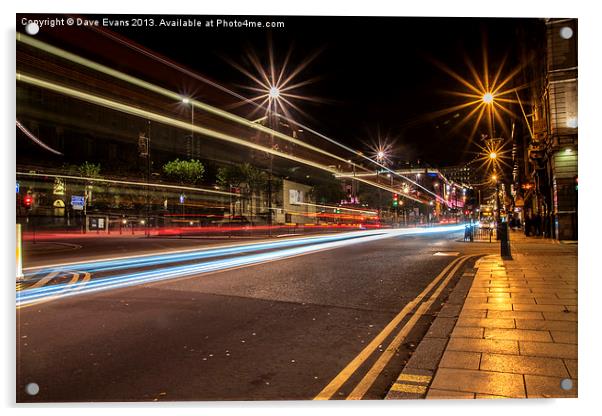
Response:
column 461, row 174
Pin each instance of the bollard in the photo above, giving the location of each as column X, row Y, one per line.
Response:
column 504, row 242
column 19, row 255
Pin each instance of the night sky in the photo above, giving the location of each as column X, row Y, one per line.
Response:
column 375, row 75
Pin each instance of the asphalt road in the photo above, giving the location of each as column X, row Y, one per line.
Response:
column 279, row 330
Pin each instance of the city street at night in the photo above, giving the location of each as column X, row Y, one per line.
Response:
column 294, row 208
column 276, row 330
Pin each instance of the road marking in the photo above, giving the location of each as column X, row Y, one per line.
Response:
column 44, row 280
column 447, row 253
column 71, row 286
column 368, row 380
column 408, row 388
column 414, row 378
column 341, row 378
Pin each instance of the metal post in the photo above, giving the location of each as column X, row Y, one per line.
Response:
column 498, row 210
column 19, row 257
column 505, row 243
column 148, row 178
column 271, row 127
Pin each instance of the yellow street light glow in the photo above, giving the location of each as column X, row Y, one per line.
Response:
column 186, row 100
column 492, row 155
column 149, row 115
column 487, row 95
column 494, row 177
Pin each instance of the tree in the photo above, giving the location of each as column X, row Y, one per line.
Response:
column 246, row 177
column 184, row 171
column 89, row 170
column 230, row 176
column 328, row 191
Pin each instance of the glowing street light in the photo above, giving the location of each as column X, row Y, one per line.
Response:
column 487, row 98
column 493, row 155
column 274, row 93
column 276, row 86
column 487, row 95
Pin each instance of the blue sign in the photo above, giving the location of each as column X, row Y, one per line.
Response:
column 77, row 200
column 182, row 198
column 17, row 187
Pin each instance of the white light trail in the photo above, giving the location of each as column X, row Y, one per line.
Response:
column 28, row 296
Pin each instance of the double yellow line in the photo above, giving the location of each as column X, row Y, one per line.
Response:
column 370, row 377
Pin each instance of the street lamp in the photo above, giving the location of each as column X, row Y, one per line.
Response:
column 274, row 93
column 187, row 101
column 273, row 99
column 487, row 98
column 493, row 155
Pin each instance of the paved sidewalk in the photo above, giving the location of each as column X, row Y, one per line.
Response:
column 516, row 335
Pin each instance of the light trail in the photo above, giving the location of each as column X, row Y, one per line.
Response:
column 125, row 108
column 31, row 296
column 28, row 40
column 370, row 212
column 216, row 111
column 120, row 182
column 142, row 261
column 36, row 140
column 253, row 102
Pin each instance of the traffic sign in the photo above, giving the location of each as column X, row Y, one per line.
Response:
column 77, row 202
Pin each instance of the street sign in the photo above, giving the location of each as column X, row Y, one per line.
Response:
column 77, row 202
column 17, row 187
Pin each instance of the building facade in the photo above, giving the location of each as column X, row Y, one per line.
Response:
column 549, row 188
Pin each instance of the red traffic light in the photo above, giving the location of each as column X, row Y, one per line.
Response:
column 28, row 201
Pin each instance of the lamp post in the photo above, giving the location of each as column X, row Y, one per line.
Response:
column 494, row 178
column 148, row 179
column 273, row 97
column 187, row 101
column 381, row 157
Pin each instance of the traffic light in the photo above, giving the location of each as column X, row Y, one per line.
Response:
column 395, row 200
column 28, row 201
